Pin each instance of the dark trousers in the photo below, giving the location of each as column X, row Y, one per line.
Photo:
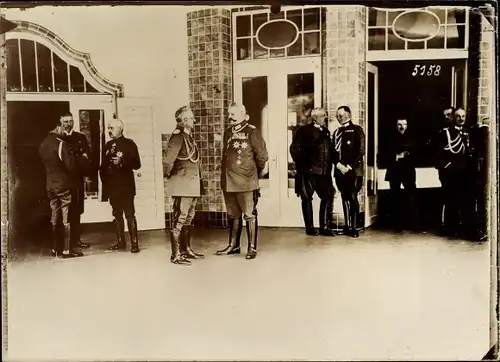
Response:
column 123, row 204
column 459, row 201
column 349, row 185
column 305, row 187
column 403, row 202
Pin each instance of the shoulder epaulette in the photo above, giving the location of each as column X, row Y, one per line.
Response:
column 176, row 131
column 251, row 126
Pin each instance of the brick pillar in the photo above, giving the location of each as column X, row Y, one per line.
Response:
column 486, row 106
column 344, row 65
column 210, row 93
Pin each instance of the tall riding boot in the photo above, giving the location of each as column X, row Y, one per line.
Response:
column 177, row 257
column 347, row 217
column 56, row 248
column 120, row 235
column 307, row 213
column 67, row 252
column 235, row 229
column 323, row 219
column 354, row 223
column 329, row 216
column 134, row 238
column 251, row 227
column 186, row 244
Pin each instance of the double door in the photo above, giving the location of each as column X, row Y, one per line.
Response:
column 279, row 96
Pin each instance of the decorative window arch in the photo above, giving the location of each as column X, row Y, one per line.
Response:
column 49, row 64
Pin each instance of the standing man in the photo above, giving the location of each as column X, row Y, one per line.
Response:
column 311, row 150
column 59, row 164
column 349, row 149
column 121, row 158
column 454, row 161
column 401, row 170
column 80, row 148
column 244, row 158
column 181, row 163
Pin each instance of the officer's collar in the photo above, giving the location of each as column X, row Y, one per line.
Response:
column 68, row 133
column 348, row 123
column 317, row 125
column 460, row 128
column 238, row 127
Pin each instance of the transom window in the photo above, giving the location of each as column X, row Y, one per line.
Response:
column 32, row 67
column 291, row 33
column 419, row 28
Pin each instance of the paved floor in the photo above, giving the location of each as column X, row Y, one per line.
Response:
column 382, row 296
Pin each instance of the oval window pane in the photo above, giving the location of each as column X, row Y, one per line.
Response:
column 416, row 25
column 277, row 34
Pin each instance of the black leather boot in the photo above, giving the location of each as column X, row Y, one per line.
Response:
column 235, row 229
column 56, row 249
column 120, row 235
column 251, row 227
column 347, row 217
column 307, row 214
column 354, row 220
column 323, row 219
column 67, row 252
column 134, row 238
column 177, row 257
column 186, row 244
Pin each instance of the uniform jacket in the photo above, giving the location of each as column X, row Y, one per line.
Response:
column 403, row 168
column 454, row 152
column 243, row 158
column 79, row 145
column 118, row 180
column 349, row 147
column 312, row 149
column 181, row 165
column 59, row 163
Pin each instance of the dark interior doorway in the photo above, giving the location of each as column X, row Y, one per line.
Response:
column 28, row 123
column 418, row 91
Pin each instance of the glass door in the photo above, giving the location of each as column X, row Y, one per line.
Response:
column 91, row 116
column 279, row 96
column 371, row 139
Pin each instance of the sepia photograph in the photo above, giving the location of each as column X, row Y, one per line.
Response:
column 237, row 181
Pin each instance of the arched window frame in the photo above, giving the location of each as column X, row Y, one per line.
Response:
column 82, row 61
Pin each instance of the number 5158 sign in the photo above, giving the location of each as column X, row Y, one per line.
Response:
column 426, row 70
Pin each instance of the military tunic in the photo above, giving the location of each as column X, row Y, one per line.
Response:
column 244, row 157
column 118, row 181
column 181, row 162
column 457, row 176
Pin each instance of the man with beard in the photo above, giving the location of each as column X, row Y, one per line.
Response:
column 401, row 170
column 349, row 150
column 80, row 148
column 121, row 158
column 244, row 158
column 181, row 163
column 454, row 159
column 59, row 165
column 311, row 150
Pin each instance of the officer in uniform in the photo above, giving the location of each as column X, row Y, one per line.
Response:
column 244, row 158
column 59, row 165
column 121, row 158
column 81, row 150
column 401, row 170
column 181, row 163
column 311, row 150
column 455, row 160
column 349, row 149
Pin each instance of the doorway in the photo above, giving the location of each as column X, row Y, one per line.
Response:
column 279, row 96
column 28, row 123
column 418, row 91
